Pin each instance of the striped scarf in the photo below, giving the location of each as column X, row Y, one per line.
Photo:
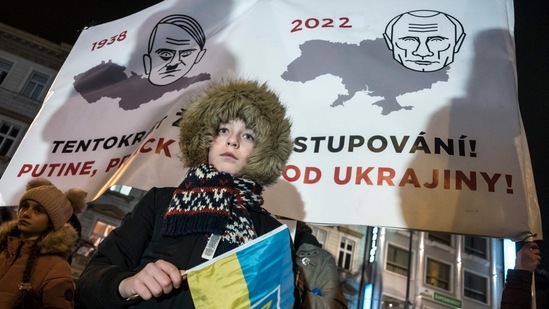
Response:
column 213, row 202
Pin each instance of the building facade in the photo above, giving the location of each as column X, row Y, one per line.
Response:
column 28, row 66
column 437, row 270
column 386, row 268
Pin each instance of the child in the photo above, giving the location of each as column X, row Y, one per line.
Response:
column 34, row 272
column 235, row 139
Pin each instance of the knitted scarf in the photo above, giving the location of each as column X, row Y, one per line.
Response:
column 213, row 202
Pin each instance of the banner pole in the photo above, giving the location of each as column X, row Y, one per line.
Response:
column 533, row 286
column 534, row 290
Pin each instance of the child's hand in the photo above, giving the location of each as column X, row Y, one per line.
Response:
column 154, row 280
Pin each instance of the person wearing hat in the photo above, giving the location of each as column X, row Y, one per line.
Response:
column 235, row 139
column 34, row 272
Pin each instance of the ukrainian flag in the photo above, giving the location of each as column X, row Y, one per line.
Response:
column 257, row 275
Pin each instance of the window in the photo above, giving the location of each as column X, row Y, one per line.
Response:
column 397, row 260
column 8, row 135
column 475, row 246
column 475, row 287
column 100, row 231
column 438, row 274
column 320, row 235
column 5, row 67
column 345, row 256
column 389, row 302
column 125, row 190
column 443, row 238
column 35, row 85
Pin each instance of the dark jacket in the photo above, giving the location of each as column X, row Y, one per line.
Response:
column 137, row 242
column 51, row 280
column 518, row 286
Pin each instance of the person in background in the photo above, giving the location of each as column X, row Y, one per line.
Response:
column 34, row 272
column 317, row 272
column 75, row 223
column 7, row 213
column 517, row 292
column 235, row 139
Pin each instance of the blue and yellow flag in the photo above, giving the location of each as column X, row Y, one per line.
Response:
column 257, row 274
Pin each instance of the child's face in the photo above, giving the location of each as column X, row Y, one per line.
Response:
column 32, row 219
column 231, row 148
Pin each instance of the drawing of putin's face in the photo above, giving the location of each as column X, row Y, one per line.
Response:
column 173, row 54
column 424, row 41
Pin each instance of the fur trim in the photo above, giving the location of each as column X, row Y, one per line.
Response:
column 258, row 107
column 59, row 242
column 6, row 228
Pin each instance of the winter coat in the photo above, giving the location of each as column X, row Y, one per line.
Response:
column 51, row 281
column 518, row 286
column 137, row 242
column 318, row 271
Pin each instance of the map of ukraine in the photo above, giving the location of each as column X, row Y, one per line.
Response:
column 367, row 67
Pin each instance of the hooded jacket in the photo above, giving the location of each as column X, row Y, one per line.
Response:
column 258, row 107
column 51, row 280
column 139, row 239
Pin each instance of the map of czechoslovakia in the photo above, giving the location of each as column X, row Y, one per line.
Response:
column 109, row 80
column 367, row 67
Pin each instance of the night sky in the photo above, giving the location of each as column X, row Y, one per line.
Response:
column 62, row 21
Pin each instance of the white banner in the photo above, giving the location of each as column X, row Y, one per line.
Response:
column 404, row 115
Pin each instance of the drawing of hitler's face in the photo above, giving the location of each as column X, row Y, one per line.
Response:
column 425, row 43
column 173, row 54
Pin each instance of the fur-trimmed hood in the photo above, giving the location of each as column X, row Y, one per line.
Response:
column 258, row 107
column 59, row 242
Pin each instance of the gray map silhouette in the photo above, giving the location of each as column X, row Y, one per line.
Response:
column 108, row 80
column 367, row 67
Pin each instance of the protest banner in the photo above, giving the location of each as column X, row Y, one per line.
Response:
column 404, row 115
